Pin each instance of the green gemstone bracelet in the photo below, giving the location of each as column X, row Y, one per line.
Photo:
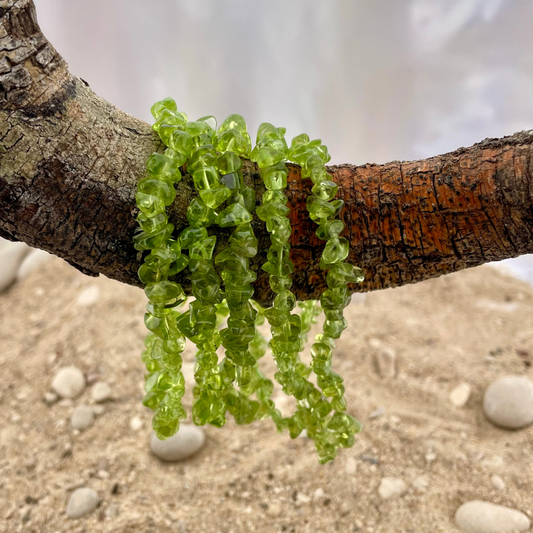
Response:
column 222, row 286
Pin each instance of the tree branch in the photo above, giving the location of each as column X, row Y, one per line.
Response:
column 70, row 161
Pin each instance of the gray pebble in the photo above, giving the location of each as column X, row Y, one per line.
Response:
column 98, row 410
column 82, row 417
column 484, row 517
column 81, row 502
column 112, row 510
column 385, row 360
column 101, row 392
column 69, row 382
column 185, row 443
column 508, row 402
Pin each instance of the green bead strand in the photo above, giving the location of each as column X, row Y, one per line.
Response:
column 322, row 208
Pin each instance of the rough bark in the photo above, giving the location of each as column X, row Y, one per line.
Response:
column 70, row 161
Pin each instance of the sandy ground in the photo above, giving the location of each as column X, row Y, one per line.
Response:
column 469, row 327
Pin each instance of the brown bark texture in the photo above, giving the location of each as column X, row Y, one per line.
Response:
column 70, row 161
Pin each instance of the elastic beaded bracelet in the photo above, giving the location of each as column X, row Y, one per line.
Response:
column 164, row 384
column 288, row 330
column 200, row 324
column 322, row 208
column 234, row 141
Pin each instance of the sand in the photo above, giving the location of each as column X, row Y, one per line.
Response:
column 470, row 327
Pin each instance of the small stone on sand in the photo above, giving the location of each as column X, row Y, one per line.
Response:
column 391, row 486
column 69, row 382
column 81, row 502
column 460, row 395
column 508, row 402
column 187, row 441
column 484, row 517
column 82, row 417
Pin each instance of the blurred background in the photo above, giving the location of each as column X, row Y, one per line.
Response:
column 376, row 80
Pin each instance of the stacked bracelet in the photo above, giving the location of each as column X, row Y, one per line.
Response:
column 222, row 284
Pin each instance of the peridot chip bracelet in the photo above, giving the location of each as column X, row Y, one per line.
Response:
column 222, row 285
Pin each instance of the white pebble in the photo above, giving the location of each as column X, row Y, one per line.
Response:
column 112, row 511
column 460, row 395
column 88, row 296
column 430, row 457
column 385, row 360
column 185, row 443
column 136, row 423
column 50, row 398
column 32, row 262
column 421, row 483
column 11, row 256
column 69, row 382
column 497, row 482
column 508, row 402
column 274, row 509
column 82, row 417
column 319, row 493
column 101, row 392
column 493, row 462
column 391, row 486
column 303, row 498
column 81, row 502
column 484, row 517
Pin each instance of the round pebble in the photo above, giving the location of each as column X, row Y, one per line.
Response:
column 81, row 502
column 136, row 423
column 484, row 517
column 69, row 382
column 497, row 482
column 185, row 443
column 82, row 417
column 101, row 392
column 508, row 402
column 460, row 395
column 391, row 486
